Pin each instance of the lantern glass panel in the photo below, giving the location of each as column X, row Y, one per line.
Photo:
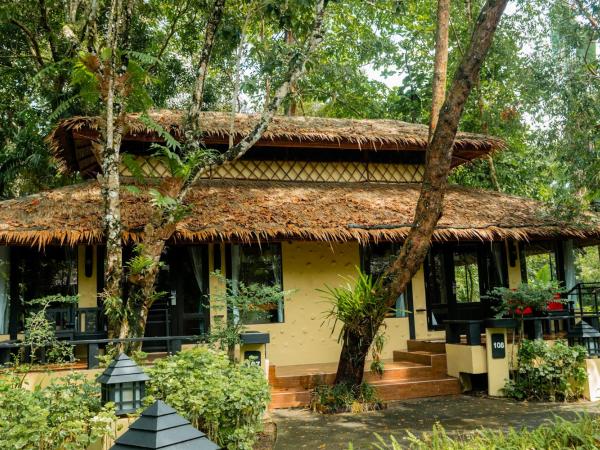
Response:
column 117, row 389
column 127, row 395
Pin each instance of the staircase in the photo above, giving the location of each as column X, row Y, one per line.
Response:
column 420, row 371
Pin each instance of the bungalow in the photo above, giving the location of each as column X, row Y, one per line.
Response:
column 313, row 200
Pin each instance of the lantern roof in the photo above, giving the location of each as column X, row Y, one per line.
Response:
column 585, row 330
column 122, row 370
column 160, row 427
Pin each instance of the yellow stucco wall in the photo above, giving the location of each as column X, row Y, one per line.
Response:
column 304, row 337
column 86, row 286
column 308, row 266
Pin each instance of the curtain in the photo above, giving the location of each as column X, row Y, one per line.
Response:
column 569, row 261
column 4, row 289
column 401, row 306
column 196, row 257
column 235, row 276
column 276, row 265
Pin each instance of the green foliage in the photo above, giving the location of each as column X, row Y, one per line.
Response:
column 343, row 397
column 534, row 295
column 66, row 415
column 250, row 303
column 40, row 333
column 357, row 303
column 581, row 433
column 548, row 372
column 587, row 263
column 226, row 401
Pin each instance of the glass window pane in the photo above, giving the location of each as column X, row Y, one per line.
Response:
column 540, row 262
column 466, row 277
column 377, row 258
column 260, row 265
column 127, row 392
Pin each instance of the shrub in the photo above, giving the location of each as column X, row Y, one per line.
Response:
column 66, row 415
column 581, row 434
column 344, row 397
column 225, row 400
column 548, row 372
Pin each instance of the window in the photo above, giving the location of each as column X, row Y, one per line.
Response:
column 254, row 264
column 539, row 262
column 466, row 277
column 54, row 271
column 375, row 259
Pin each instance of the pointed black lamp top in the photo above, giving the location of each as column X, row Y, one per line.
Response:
column 123, row 383
column 160, row 427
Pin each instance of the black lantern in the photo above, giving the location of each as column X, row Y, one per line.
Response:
column 123, row 383
column 587, row 336
column 161, row 427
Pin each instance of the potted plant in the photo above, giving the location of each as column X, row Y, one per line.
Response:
column 529, row 299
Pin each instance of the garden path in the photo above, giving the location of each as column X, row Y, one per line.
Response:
column 297, row 429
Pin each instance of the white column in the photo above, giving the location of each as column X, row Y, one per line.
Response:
column 4, row 288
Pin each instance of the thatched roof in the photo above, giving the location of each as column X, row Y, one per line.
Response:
column 72, row 134
column 254, row 210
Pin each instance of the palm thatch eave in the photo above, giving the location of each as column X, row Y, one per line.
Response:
column 250, row 211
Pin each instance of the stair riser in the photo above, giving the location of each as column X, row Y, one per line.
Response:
column 289, row 400
column 427, row 389
column 309, row 381
column 433, row 347
column 387, row 392
column 437, row 361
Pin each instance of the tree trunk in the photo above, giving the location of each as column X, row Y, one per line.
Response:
column 112, row 72
column 110, row 180
column 355, row 348
column 430, row 202
column 440, row 65
column 439, row 153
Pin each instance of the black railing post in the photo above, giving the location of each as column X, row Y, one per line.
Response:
column 92, row 357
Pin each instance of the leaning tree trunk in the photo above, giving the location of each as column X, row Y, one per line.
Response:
column 355, row 348
column 438, row 163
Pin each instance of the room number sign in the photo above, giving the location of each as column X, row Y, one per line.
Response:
column 498, row 346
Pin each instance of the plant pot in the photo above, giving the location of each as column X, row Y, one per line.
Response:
column 503, row 322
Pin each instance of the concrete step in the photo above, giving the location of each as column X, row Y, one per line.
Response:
column 414, row 345
column 392, row 371
column 389, row 391
column 289, row 399
column 386, row 390
column 436, row 360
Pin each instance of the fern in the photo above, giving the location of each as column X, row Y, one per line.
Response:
column 170, row 141
column 143, row 58
column 63, row 107
column 134, row 167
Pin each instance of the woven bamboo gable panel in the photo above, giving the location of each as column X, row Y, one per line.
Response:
column 341, row 172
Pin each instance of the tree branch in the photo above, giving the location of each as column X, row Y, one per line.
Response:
column 170, row 35
column 193, row 118
column 440, row 65
column 295, row 72
column 46, row 27
column 588, row 15
column 33, row 44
